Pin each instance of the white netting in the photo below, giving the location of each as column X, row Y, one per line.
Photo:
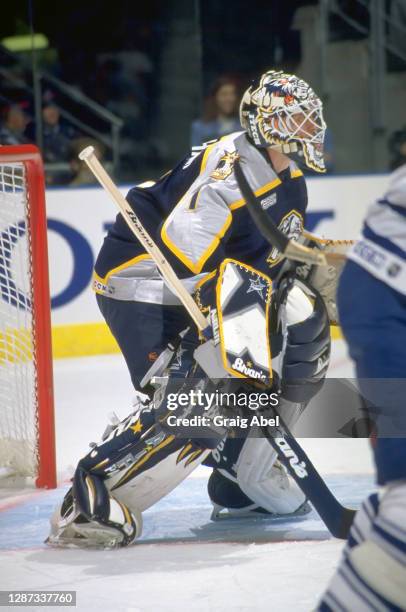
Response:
column 18, row 395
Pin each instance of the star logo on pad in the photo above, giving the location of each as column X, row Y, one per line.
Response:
column 257, row 285
column 136, row 427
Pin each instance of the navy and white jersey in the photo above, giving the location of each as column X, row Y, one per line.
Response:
column 197, row 216
column 382, row 247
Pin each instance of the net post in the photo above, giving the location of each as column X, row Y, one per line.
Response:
column 42, row 323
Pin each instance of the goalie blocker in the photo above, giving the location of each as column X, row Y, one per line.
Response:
column 142, row 458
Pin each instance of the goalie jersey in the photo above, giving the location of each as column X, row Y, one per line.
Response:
column 196, row 215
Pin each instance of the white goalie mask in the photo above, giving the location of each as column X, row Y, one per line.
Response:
column 282, row 111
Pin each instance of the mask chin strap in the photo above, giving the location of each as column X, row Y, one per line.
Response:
column 286, row 147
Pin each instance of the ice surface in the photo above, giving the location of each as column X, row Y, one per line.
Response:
column 183, row 559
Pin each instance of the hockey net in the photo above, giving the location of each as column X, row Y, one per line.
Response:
column 27, row 446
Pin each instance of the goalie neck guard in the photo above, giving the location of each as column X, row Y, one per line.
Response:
column 281, row 111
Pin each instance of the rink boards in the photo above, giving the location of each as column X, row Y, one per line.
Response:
column 79, row 218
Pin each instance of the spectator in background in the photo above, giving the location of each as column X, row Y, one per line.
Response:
column 12, row 131
column 57, row 138
column 220, row 115
column 57, row 135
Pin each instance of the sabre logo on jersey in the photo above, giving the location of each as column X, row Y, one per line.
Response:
column 299, row 467
column 225, row 166
column 248, row 369
column 292, row 226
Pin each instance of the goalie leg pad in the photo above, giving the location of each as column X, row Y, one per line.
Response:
column 224, row 492
column 131, row 469
column 247, row 478
column 265, row 480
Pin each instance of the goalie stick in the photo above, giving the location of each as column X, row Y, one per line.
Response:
column 336, row 518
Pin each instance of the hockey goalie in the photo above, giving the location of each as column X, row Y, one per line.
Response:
column 269, row 322
column 145, row 456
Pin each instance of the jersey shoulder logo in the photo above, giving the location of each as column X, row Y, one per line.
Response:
column 292, row 226
column 225, row 166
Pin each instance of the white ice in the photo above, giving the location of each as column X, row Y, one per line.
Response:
column 183, row 561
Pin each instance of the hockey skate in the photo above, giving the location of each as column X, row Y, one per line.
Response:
column 70, row 529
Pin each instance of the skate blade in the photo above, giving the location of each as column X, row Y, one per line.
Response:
column 76, row 543
column 69, row 538
column 219, row 515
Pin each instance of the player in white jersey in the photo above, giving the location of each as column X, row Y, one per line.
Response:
column 197, row 216
column 372, row 306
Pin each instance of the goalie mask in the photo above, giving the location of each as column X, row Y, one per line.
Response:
column 282, row 111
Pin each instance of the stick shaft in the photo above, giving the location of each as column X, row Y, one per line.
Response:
column 135, row 225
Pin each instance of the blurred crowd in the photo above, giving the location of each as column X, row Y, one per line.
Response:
column 120, row 67
column 61, row 142
column 113, row 64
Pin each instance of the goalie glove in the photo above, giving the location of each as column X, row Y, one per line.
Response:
column 304, row 325
column 324, row 279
